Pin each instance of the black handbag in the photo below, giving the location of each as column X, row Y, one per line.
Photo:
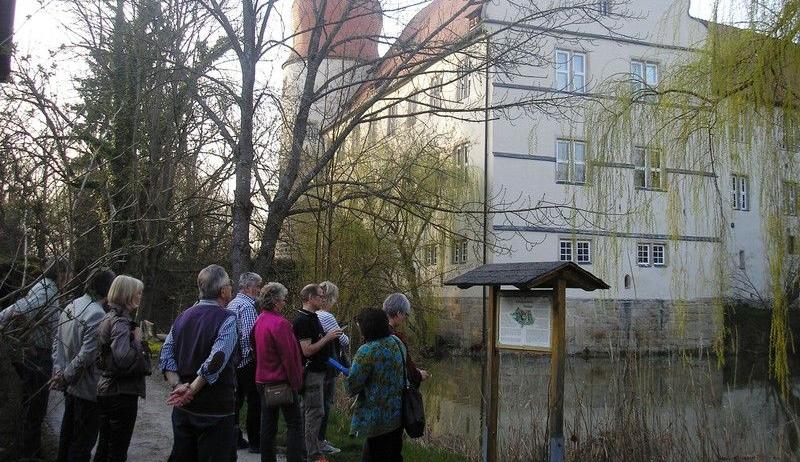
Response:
column 277, row 394
column 413, row 411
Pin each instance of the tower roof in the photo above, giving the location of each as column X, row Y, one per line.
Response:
column 352, row 26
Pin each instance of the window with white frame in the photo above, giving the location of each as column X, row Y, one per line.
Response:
column 583, row 252
column 789, row 133
column 565, row 250
column 391, row 121
column 461, row 157
column 740, row 192
column 651, row 254
column 413, row 108
column 570, row 161
column 643, row 254
column 659, row 254
column 463, row 87
column 570, row 70
column 577, row 250
column 604, row 7
column 647, row 168
column 431, row 254
column 435, row 91
column 458, row 251
column 644, row 78
column 790, row 197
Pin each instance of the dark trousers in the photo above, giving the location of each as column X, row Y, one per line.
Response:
column 328, row 390
column 246, row 389
column 117, row 419
column 294, row 431
column 78, row 429
column 384, row 448
column 34, row 372
column 202, row 438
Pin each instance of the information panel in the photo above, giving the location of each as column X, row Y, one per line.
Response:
column 524, row 321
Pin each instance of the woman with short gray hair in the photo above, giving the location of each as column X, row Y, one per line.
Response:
column 278, row 362
column 397, row 307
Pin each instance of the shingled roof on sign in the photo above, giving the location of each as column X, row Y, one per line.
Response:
column 529, row 275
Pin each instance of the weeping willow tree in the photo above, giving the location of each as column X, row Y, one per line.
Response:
column 730, row 111
column 378, row 220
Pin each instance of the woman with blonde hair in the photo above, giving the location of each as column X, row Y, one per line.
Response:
column 123, row 362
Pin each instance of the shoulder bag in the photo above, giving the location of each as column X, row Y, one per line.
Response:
column 413, row 411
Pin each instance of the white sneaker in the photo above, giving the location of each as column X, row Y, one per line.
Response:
column 328, row 448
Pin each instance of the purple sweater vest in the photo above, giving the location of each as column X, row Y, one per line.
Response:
column 194, row 333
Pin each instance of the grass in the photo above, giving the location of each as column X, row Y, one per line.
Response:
column 339, row 435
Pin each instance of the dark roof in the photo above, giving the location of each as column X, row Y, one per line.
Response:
column 530, row 275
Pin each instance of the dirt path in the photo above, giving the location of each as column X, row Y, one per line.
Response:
column 152, row 436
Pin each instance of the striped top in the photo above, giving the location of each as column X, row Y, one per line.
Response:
column 329, row 323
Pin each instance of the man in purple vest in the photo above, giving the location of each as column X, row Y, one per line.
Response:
column 198, row 359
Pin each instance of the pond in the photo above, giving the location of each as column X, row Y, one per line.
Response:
column 644, row 408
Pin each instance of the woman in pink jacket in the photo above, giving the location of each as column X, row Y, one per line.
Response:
column 278, row 361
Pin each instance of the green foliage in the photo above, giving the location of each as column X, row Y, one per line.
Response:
column 731, row 107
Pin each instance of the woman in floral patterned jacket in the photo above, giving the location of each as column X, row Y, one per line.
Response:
column 376, row 376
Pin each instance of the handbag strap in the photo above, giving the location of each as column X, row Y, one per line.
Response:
column 402, row 355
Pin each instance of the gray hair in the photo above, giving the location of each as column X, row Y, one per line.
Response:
column 270, row 294
column 331, row 291
column 211, row 280
column 396, row 304
column 248, row 280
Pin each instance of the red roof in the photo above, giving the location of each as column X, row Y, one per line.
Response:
column 356, row 24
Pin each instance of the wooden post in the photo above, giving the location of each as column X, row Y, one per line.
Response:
column 558, row 346
column 490, row 432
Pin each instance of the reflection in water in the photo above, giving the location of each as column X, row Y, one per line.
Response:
column 652, row 408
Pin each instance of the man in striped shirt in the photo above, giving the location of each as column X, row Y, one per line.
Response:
column 244, row 306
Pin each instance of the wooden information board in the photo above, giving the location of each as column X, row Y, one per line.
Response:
column 524, row 320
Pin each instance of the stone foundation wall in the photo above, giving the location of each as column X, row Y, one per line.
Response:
column 602, row 326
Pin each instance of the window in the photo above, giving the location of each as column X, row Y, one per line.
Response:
column 565, row 250
column 659, row 254
column 462, row 83
column 570, row 71
column 604, row 7
column 413, row 108
column 570, row 161
column 391, row 121
column 790, row 190
column 741, row 260
column 644, row 78
column 651, row 253
column 647, row 168
column 579, row 251
column 355, row 139
column 583, row 252
column 789, row 133
column 436, row 92
column 461, row 156
column 459, row 251
column 790, row 243
column 431, row 254
column 740, row 192
column 643, row 254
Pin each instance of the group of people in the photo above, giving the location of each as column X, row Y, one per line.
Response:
column 227, row 350
column 221, row 352
column 92, row 351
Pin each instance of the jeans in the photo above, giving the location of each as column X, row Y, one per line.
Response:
column 79, row 429
column 294, row 431
column 313, row 412
column 34, row 372
column 328, row 390
column 203, row 438
column 246, row 389
column 117, row 419
column 384, row 448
